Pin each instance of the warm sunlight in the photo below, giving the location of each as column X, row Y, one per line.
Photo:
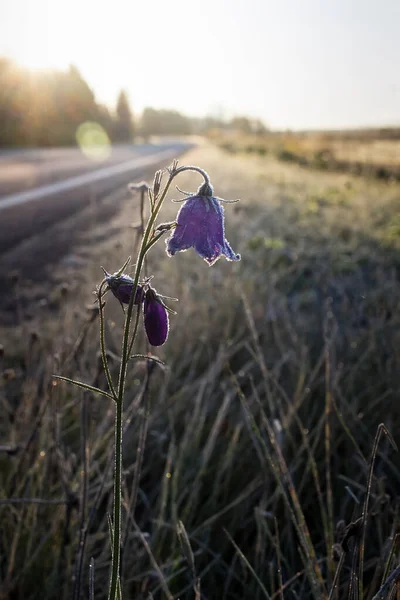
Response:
column 278, row 61
column 32, row 38
column 105, row 45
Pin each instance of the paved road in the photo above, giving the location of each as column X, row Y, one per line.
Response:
column 41, row 187
column 44, row 197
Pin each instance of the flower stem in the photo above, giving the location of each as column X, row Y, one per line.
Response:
column 126, row 350
column 117, row 502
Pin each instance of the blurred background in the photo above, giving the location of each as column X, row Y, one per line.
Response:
column 156, row 68
column 257, row 432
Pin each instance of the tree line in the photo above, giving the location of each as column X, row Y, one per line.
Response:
column 46, row 109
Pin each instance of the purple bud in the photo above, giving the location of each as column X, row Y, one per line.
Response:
column 155, row 319
column 122, row 286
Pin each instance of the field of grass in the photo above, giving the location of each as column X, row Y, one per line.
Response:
column 247, row 458
column 372, row 153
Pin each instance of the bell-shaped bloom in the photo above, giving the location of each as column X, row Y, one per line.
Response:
column 200, row 225
column 156, row 321
column 122, row 286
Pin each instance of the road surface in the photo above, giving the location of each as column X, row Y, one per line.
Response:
column 40, row 189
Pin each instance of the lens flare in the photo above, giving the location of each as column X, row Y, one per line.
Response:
column 93, row 141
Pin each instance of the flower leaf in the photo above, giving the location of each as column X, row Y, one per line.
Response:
column 85, row 386
column 146, row 357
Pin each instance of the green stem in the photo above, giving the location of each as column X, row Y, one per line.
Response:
column 126, row 348
column 117, row 501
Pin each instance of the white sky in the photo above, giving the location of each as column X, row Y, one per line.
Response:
column 294, row 63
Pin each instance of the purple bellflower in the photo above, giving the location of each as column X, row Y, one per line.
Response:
column 156, row 321
column 122, row 286
column 200, row 225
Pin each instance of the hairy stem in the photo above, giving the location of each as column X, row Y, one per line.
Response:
column 126, row 350
column 117, row 502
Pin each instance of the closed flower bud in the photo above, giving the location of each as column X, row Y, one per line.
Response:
column 122, row 286
column 156, row 321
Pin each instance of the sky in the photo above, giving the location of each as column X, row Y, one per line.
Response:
column 299, row 64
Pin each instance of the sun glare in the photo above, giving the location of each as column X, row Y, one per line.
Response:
column 275, row 60
column 33, row 37
column 40, row 59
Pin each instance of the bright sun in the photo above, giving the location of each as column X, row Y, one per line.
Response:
column 34, row 33
column 103, row 40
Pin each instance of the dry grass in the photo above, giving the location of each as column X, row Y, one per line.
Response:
column 247, row 457
column 377, row 157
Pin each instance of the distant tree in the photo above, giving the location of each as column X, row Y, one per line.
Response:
column 13, row 103
column 63, row 100
column 242, row 124
column 106, row 120
column 248, row 125
column 150, row 122
column 124, row 126
column 46, row 108
column 164, row 122
column 259, row 127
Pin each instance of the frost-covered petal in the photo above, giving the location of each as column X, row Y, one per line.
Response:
column 200, row 224
column 156, row 321
column 189, row 222
column 228, row 252
column 208, row 249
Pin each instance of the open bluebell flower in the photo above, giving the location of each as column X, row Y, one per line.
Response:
column 156, row 322
column 122, row 286
column 200, row 225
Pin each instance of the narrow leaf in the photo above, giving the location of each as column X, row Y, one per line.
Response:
column 85, row 386
column 146, row 357
column 248, row 565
